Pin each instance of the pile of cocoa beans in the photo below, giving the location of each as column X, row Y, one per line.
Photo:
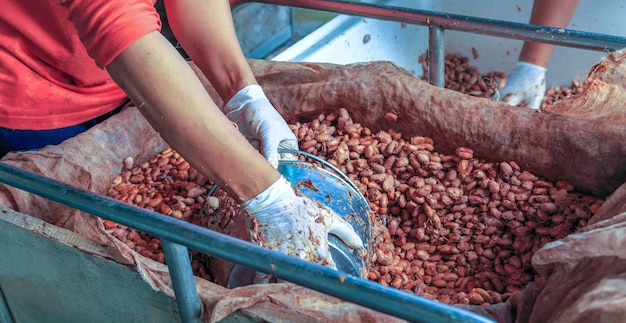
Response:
column 448, row 227
column 452, row 228
column 168, row 185
column 462, row 77
column 558, row 93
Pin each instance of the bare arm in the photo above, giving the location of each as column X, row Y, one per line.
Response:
column 173, row 100
column 205, row 30
column 551, row 13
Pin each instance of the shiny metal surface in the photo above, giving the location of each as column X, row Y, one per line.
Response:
column 327, row 188
column 325, row 184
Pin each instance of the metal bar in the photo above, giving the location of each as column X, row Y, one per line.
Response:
column 359, row 291
column 183, row 281
column 436, row 56
column 505, row 29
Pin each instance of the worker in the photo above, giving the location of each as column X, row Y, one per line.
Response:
column 527, row 81
column 68, row 64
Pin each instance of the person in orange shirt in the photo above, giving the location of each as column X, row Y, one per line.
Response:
column 67, row 64
column 527, row 81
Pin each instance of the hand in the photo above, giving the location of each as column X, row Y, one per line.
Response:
column 526, row 83
column 261, row 124
column 295, row 225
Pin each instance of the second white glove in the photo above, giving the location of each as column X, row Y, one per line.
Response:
column 526, row 83
column 261, row 124
column 295, row 225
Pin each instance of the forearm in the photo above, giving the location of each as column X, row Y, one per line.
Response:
column 205, row 30
column 551, row 13
column 173, row 100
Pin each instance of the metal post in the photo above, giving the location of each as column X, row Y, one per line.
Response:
column 183, row 281
column 436, row 56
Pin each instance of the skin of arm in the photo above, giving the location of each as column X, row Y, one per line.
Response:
column 206, row 31
column 551, row 13
column 171, row 97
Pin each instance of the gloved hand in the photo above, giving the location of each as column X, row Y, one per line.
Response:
column 295, row 225
column 526, row 83
column 261, row 124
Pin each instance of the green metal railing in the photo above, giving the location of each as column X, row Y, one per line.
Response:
column 177, row 235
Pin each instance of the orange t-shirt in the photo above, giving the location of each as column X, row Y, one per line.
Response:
column 52, row 58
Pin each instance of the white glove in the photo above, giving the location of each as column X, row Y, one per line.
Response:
column 261, row 124
column 526, row 83
column 295, row 225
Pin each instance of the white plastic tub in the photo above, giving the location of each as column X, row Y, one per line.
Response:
column 348, row 39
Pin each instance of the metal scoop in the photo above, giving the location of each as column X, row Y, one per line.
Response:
column 327, row 185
